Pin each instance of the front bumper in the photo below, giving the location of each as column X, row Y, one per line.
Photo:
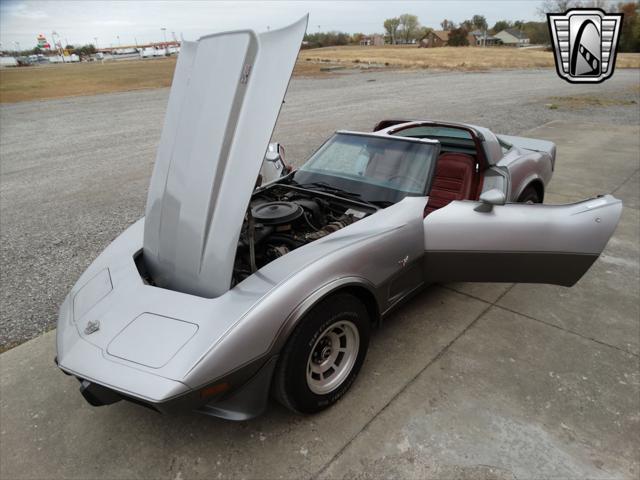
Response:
column 243, row 403
column 78, row 357
column 111, row 381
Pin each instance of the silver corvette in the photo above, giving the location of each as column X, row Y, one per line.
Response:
column 246, row 278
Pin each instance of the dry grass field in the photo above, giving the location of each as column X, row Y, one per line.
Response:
column 447, row 58
column 55, row 81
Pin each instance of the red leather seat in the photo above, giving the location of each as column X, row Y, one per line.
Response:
column 453, row 180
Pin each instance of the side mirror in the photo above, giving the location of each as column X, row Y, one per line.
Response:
column 490, row 198
column 274, row 153
column 273, row 166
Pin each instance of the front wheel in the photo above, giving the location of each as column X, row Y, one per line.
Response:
column 323, row 355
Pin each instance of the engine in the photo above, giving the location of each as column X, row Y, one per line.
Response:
column 281, row 219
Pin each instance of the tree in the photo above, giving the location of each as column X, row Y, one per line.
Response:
column 409, row 26
column 447, row 25
column 356, row 38
column 391, row 27
column 479, row 22
column 556, row 6
column 423, row 32
column 466, row 25
column 501, row 25
column 601, row 4
column 630, row 29
column 537, row 32
column 327, row 39
column 458, row 37
column 84, row 50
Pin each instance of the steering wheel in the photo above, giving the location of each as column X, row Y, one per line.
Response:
column 415, row 182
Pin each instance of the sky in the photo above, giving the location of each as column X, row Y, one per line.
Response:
column 81, row 21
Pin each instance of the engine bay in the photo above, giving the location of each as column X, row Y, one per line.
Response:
column 281, row 218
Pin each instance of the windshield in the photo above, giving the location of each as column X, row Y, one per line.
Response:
column 375, row 168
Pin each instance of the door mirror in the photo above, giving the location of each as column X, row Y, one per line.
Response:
column 273, row 166
column 274, row 154
column 490, row 198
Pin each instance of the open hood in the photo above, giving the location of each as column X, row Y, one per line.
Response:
column 225, row 98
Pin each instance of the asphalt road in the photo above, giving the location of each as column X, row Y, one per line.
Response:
column 466, row 381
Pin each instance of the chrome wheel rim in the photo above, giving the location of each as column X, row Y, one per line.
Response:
column 332, row 357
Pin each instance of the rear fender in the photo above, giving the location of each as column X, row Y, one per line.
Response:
column 531, row 180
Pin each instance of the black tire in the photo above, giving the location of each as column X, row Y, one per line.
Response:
column 530, row 195
column 291, row 386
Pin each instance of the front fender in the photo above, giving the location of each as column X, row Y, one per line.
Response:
column 317, row 296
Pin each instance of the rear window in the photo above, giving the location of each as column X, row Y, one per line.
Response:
column 426, row 131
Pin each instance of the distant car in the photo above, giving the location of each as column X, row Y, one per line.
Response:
column 226, row 292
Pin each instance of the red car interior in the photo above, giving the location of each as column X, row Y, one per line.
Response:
column 455, row 179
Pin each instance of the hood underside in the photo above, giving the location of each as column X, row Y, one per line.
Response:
column 225, row 98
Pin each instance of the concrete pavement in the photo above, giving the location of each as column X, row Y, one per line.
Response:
column 465, row 381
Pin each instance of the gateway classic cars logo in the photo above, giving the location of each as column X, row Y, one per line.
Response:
column 585, row 43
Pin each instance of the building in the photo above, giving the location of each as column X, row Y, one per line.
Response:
column 435, row 38
column 8, row 62
column 375, row 40
column 513, row 37
column 440, row 38
column 484, row 39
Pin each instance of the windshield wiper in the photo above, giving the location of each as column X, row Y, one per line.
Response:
column 325, row 187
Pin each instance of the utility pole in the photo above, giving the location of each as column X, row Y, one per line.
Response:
column 95, row 39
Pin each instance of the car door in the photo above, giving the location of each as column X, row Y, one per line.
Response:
column 532, row 243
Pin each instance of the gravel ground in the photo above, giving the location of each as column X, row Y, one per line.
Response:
column 74, row 172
